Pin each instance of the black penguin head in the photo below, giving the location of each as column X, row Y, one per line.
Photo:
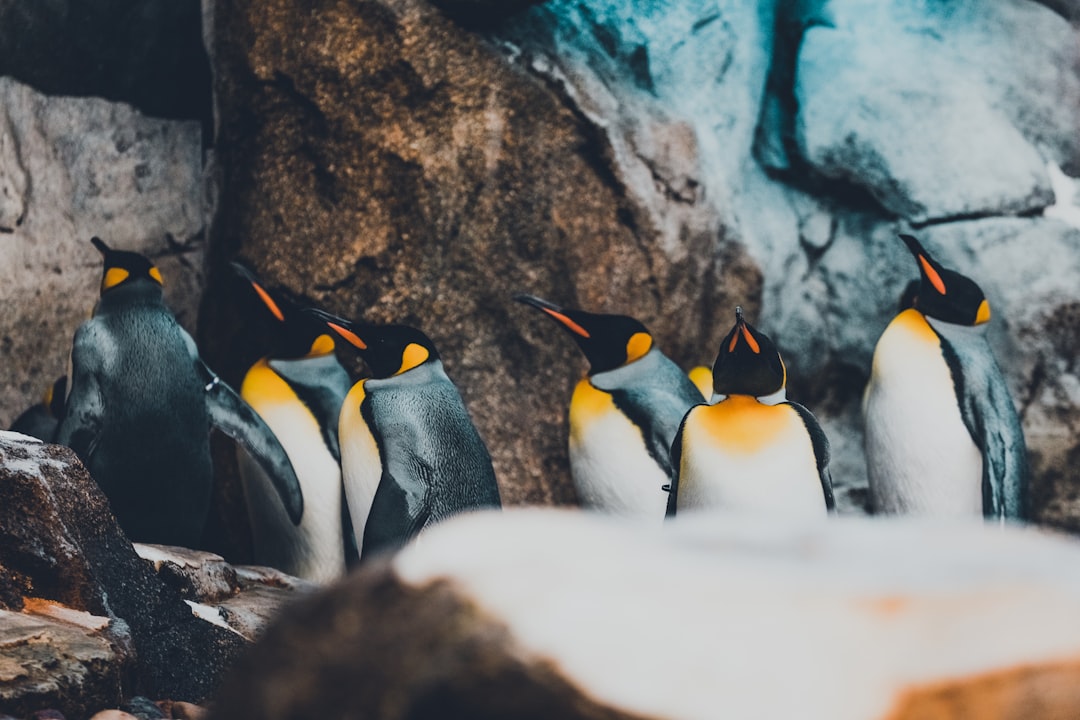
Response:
column 387, row 349
column 297, row 334
column 124, row 268
column 748, row 363
column 944, row 294
column 608, row 341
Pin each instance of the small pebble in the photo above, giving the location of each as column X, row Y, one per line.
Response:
column 113, row 715
column 188, row 711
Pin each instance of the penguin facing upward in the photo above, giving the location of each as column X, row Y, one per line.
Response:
column 410, row 454
column 298, row 389
column 140, row 407
column 623, row 414
column 942, row 434
column 752, row 450
column 40, row 420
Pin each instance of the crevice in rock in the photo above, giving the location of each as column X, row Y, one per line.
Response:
column 967, row 217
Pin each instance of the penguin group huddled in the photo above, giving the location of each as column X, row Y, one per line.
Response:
column 334, row 470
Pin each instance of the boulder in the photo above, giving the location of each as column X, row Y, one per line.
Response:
column 71, row 168
column 59, row 542
column 59, row 658
column 555, row 613
column 380, row 161
column 903, row 100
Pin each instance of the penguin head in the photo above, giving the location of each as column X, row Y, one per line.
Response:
column 298, row 334
column 125, row 269
column 944, row 294
column 748, row 363
column 608, row 341
column 388, row 350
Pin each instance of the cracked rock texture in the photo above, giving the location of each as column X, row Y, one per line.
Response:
column 72, row 168
column 386, row 163
column 60, row 544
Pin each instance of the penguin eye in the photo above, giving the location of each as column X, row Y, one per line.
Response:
column 113, row 277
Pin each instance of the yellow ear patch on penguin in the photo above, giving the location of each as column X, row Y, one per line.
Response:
column 156, row 274
column 932, row 275
column 323, row 345
column 636, row 347
column 113, row 277
column 983, row 314
column 412, row 356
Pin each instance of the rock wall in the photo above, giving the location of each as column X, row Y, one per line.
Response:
column 401, row 161
column 71, row 168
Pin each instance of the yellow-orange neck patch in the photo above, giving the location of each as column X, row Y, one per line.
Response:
column 156, row 275
column 740, row 424
column 983, row 315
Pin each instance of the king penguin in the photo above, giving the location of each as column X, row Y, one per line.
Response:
column 41, row 420
column 942, row 435
column 752, row 449
column 140, row 407
column 298, row 390
column 623, row 414
column 410, row 454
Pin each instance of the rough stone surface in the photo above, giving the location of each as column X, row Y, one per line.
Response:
column 144, row 52
column 905, row 100
column 197, row 575
column 446, row 181
column 511, row 615
column 69, row 169
column 59, row 542
column 53, row 663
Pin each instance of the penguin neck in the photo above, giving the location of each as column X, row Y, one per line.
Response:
column 129, row 295
column 771, row 399
column 423, row 374
column 618, row 377
column 952, row 330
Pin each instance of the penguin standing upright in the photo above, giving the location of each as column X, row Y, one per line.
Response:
column 140, row 407
column 942, row 434
column 298, row 390
column 752, row 450
column 624, row 414
column 410, row 454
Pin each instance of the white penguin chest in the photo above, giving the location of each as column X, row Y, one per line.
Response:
column 314, row 549
column 610, row 464
column 742, row 455
column 920, row 455
column 361, row 464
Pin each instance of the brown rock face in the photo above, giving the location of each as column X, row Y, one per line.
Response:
column 385, row 164
column 60, row 542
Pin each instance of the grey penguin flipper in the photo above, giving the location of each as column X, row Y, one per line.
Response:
column 80, row 426
column 821, row 452
column 234, row 417
column 676, row 461
column 398, row 512
column 990, row 417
